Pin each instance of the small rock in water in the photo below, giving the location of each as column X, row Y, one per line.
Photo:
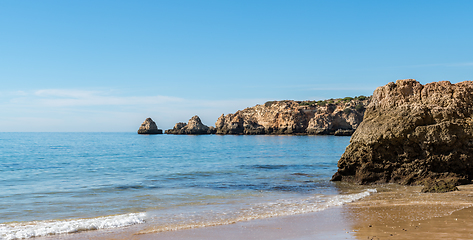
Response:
column 440, row 186
column 194, row 126
column 149, row 127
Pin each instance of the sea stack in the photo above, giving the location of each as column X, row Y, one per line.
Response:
column 413, row 134
column 149, row 127
column 194, row 126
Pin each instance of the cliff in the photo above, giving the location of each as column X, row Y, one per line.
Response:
column 149, row 127
column 334, row 116
column 413, row 134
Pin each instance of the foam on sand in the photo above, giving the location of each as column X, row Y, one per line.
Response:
column 183, row 220
column 282, row 207
column 43, row 228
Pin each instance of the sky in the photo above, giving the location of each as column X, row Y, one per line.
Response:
column 105, row 66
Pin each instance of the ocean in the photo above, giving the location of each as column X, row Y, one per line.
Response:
column 58, row 183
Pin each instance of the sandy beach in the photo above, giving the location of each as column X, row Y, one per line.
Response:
column 395, row 212
column 409, row 214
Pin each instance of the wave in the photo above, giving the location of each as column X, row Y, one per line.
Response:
column 283, row 207
column 181, row 220
column 24, row 230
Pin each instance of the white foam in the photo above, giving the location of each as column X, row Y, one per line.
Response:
column 283, row 207
column 43, row 228
column 307, row 205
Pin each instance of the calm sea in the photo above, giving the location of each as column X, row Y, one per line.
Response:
column 54, row 183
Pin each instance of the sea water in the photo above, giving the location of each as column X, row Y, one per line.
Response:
column 54, row 183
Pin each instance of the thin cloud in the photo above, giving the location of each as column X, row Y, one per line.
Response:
column 77, row 110
column 464, row 64
column 63, row 98
column 343, row 89
column 95, row 100
column 65, row 93
column 71, row 97
column 326, row 87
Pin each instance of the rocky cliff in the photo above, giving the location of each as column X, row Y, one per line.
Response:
column 194, row 126
column 413, row 134
column 149, row 127
column 334, row 116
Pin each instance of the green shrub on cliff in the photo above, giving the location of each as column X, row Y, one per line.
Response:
column 268, row 103
column 347, row 110
column 321, row 103
column 307, row 103
column 348, row 99
column 360, row 107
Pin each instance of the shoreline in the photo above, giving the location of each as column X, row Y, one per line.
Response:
column 395, row 212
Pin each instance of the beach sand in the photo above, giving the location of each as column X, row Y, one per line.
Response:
column 409, row 214
column 395, row 212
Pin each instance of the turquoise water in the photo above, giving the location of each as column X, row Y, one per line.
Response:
column 104, row 180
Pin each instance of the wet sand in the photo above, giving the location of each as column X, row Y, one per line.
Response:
column 409, row 214
column 328, row 224
column 395, row 212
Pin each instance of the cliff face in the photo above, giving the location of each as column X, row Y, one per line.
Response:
column 411, row 134
column 295, row 117
column 149, row 127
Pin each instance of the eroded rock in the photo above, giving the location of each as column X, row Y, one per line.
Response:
column 412, row 133
column 296, row 117
column 440, row 186
column 194, row 126
column 149, row 127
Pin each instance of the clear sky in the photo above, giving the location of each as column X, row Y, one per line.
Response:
column 107, row 65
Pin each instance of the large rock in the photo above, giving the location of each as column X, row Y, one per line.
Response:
column 296, row 117
column 413, row 134
column 194, row 126
column 149, row 127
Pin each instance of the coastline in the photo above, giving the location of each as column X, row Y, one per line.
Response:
column 395, row 212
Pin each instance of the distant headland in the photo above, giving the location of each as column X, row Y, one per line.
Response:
column 338, row 117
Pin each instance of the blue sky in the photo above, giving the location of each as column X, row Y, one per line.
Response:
column 107, row 65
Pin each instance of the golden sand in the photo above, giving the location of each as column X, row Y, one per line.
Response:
column 405, row 213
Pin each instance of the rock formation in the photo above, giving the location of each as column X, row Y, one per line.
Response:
column 335, row 116
column 194, row 126
column 149, row 127
column 413, row 134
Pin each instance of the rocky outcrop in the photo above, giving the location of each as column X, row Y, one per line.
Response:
column 194, row 126
column 413, row 134
column 341, row 116
column 149, row 127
